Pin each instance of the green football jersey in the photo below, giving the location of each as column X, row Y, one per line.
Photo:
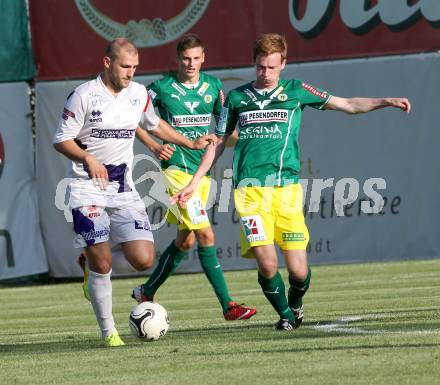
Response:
column 189, row 111
column 267, row 151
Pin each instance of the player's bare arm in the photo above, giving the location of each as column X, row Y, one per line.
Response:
column 165, row 132
column 161, row 151
column 97, row 171
column 212, row 153
column 363, row 105
column 232, row 139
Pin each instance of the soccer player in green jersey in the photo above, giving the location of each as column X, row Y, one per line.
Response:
column 268, row 197
column 187, row 100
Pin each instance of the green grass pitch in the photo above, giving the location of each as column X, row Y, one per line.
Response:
column 375, row 323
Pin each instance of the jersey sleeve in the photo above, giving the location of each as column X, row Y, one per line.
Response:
column 149, row 119
column 313, row 97
column 154, row 92
column 72, row 119
column 220, row 101
column 228, row 119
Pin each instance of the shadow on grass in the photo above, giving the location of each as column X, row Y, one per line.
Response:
column 322, row 349
column 242, row 332
column 82, row 346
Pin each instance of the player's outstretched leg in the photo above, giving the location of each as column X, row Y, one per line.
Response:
column 82, row 262
column 167, row 264
column 296, row 292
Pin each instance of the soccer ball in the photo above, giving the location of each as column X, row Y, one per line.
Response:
column 148, row 321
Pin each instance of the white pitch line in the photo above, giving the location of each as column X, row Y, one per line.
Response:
column 341, row 325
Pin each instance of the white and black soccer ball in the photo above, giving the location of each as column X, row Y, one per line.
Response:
column 148, row 321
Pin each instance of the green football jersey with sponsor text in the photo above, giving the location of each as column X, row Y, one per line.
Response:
column 267, row 151
column 190, row 111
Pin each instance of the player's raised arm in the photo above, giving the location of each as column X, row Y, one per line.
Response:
column 212, row 153
column 363, row 105
column 161, row 151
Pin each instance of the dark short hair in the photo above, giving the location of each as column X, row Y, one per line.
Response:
column 190, row 40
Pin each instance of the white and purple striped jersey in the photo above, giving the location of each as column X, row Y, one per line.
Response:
column 104, row 125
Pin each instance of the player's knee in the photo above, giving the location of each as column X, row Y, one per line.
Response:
column 141, row 264
column 185, row 244
column 205, row 237
column 299, row 273
column 101, row 267
column 268, row 270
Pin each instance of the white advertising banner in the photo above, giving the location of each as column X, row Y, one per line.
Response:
column 346, row 162
column 21, row 247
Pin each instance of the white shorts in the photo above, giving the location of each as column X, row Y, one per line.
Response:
column 97, row 224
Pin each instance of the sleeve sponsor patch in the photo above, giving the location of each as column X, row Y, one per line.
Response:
column 67, row 114
column 221, row 95
column 314, row 91
column 148, row 101
column 152, row 94
column 221, row 126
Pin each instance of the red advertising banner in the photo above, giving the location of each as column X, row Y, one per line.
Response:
column 69, row 37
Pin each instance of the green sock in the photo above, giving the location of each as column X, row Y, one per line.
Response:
column 214, row 273
column 167, row 263
column 275, row 291
column 297, row 290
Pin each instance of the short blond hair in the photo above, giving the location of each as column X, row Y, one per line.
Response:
column 115, row 47
column 270, row 43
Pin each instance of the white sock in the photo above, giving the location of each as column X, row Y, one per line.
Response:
column 100, row 290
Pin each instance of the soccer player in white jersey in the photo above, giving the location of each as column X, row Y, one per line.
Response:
column 96, row 131
column 268, row 196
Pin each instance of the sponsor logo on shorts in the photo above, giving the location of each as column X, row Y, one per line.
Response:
column 253, row 228
column 142, row 225
column 95, row 234
column 93, row 212
column 196, row 211
column 294, row 237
